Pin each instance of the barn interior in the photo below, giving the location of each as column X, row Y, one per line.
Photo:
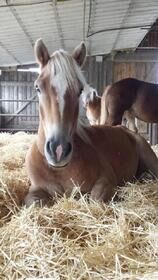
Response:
column 121, row 37
column 74, row 239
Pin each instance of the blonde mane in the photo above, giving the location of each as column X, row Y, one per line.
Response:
column 64, row 68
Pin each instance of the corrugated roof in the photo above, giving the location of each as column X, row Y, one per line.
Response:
column 105, row 25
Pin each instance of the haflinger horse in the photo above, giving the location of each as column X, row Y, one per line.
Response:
column 137, row 97
column 64, row 154
column 96, row 111
column 92, row 103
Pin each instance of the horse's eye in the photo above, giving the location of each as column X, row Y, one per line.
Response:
column 37, row 89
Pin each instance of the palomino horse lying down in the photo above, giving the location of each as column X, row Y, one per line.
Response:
column 96, row 112
column 138, row 97
column 64, row 153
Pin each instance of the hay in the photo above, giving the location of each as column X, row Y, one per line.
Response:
column 13, row 179
column 74, row 239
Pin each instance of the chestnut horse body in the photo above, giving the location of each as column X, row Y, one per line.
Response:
column 64, row 153
column 138, row 97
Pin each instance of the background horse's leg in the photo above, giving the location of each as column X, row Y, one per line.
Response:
column 131, row 121
column 147, row 158
column 114, row 118
column 124, row 120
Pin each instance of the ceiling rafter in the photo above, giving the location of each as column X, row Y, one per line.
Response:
column 84, row 20
column 20, row 22
column 92, row 11
column 10, row 53
column 125, row 18
column 25, row 4
column 58, row 23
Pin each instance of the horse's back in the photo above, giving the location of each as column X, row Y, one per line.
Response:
column 140, row 97
column 123, row 92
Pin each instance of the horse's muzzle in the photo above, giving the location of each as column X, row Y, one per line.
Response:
column 58, row 152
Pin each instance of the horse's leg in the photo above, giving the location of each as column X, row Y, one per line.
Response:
column 147, row 158
column 104, row 189
column 37, row 196
column 114, row 114
column 131, row 121
column 124, row 120
column 42, row 188
column 114, row 119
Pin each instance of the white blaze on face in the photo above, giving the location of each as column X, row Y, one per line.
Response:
column 51, row 130
column 88, row 94
column 60, row 86
column 84, row 95
column 66, row 75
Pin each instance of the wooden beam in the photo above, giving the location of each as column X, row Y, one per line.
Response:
column 136, row 56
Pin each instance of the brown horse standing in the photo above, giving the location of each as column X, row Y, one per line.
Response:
column 96, row 111
column 138, row 97
column 64, row 153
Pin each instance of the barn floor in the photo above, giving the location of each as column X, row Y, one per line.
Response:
column 74, row 239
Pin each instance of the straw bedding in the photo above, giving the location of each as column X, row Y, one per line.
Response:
column 74, row 239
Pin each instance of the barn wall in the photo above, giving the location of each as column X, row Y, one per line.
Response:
column 18, row 98
column 100, row 74
column 147, row 71
column 95, row 72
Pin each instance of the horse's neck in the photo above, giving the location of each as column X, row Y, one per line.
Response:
column 99, row 103
column 82, row 133
column 96, row 106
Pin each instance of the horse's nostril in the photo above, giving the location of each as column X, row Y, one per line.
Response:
column 58, row 150
column 67, row 149
column 49, row 147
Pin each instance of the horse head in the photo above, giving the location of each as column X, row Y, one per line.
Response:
column 59, row 86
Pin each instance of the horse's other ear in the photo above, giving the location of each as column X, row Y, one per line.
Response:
column 41, row 53
column 79, row 54
column 93, row 94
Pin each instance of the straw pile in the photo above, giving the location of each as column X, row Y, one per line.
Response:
column 74, row 239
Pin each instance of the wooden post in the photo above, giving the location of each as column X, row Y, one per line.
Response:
column 150, row 133
column 155, row 134
column 109, row 72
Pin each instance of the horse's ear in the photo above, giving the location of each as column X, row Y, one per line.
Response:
column 79, row 54
column 93, row 94
column 41, row 53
